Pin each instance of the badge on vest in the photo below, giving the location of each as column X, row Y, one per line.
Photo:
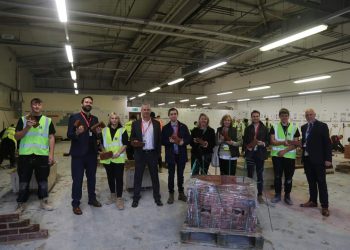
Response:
column 90, row 133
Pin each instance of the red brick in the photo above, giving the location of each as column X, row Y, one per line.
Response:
column 9, row 217
column 43, row 233
column 8, row 231
column 23, row 223
column 17, row 237
column 29, row 229
column 3, row 225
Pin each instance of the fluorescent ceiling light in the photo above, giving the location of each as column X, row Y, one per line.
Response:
column 73, row 74
column 75, row 85
column 259, row 88
column 193, row 105
column 161, row 104
column 201, row 97
column 61, row 10
column 155, row 89
column 222, row 102
column 76, row 91
column 243, row 100
column 171, row 102
column 142, row 94
column 206, row 104
column 294, row 37
column 212, row 67
column 176, row 81
column 224, row 93
column 310, row 92
column 271, row 96
column 69, row 53
column 132, row 98
column 311, row 79
column 184, row 100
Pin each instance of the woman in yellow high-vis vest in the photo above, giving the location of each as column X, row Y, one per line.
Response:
column 115, row 139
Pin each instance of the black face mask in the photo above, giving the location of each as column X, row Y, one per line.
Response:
column 87, row 108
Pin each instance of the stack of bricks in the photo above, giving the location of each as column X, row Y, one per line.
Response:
column 12, row 229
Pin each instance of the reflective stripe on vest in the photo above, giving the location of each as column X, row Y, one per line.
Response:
column 36, row 140
column 113, row 145
column 280, row 136
column 128, row 128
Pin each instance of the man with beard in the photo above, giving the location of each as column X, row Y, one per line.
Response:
column 84, row 153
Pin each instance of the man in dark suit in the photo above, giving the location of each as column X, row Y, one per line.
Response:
column 175, row 137
column 146, row 140
column 84, row 153
column 317, row 155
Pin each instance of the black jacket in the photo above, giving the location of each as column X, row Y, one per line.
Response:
column 232, row 133
column 263, row 135
column 319, row 145
column 209, row 136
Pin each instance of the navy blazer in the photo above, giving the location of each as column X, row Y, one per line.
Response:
column 136, row 134
column 169, row 147
column 80, row 143
column 319, row 145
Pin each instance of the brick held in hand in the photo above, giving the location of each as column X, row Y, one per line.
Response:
column 32, row 118
column 252, row 144
column 97, row 125
column 77, row 123
column 137, row 144
column 200, row 141
column 106, row 155
column 176, row 139
column 294, row 143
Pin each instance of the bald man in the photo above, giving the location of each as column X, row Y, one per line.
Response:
column 317, row 155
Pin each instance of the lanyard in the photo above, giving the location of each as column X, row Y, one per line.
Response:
column 285, row 131
column 256, row 131
column 87, row 122
column 145, row 130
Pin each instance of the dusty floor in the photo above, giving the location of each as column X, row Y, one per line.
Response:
column 152, row 227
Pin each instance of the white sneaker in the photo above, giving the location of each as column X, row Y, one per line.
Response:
column 44, row 204
column 21, row 206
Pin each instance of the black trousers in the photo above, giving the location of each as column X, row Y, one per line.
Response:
column 282, row 166
column 143, row 158
column 201, row 164
column 227, row 167
column 129, row 152
column 316, row 177
column 254, row 163
column 87, row 164
column 115, row 174
column 180, row 167
column 8, row 150
column 26, row 165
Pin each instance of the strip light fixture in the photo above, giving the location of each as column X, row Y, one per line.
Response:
column 295, row 37
column 142, row 94
column 154, row 89
column 61, row 10
column 132, row 98
column 271, row 96
column 193, row 105
column 69, row 53
column 243, row 100
column 75, row 85
column 311, row 79
column 212, row 67
column 73, row 74
column 184, row 100
column 172, row 102
column 222, row 102
column 201, row 97
column 161, row 104
column 76, row 92
column 310, row 92
column 176, row 81
column 224, row 93
column 259, row 88
column 206, row 104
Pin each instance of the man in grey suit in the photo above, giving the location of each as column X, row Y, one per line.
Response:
column 146, row 139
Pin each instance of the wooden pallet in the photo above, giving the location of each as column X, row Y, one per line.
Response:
column 221, row 238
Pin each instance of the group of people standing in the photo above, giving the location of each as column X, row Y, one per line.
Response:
column 142, row 139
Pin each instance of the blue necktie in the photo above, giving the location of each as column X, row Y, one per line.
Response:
column 176, row 147
column 308, row 131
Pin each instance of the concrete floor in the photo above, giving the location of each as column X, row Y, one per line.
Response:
column 151, row 227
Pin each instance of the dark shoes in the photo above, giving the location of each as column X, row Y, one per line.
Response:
column 95, row 203
column 77, row 211
column 159, row 203
column 288, row 200
column 325, row 212
column 135, row 204
column 182, row 197
column 261, row 199
column 276, row 198
column 171, row 198
column 309, row 204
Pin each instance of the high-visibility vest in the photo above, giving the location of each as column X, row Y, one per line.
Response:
column 36, row 140
column 281, row 136
column 113, row 145
column 127, row 127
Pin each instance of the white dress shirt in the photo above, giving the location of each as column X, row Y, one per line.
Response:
column 147, row 134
